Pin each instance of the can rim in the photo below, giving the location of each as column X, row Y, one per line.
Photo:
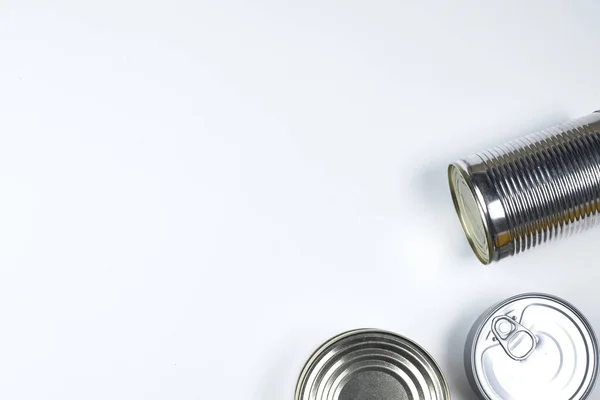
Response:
column 480, row 322
column 308, row 364
column 315, row 353
column 482, row 212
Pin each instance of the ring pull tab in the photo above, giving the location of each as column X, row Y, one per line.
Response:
column 517, row 341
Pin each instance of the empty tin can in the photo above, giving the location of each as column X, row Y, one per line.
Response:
column 519, row 195
column 370, row 364
column 532, row 346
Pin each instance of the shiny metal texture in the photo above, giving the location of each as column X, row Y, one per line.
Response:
column 532, row 346
column 520, row 195
column 370, row 364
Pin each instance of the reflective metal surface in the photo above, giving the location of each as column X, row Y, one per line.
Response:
column 532, row 346
column 529, row 191
column 472, row 216
column 370, row 364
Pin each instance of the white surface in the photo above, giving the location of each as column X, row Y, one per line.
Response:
column 196, row 194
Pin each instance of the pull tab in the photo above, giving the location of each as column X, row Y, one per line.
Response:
column 514, row 337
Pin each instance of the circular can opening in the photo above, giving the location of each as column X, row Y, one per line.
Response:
column 470, row 212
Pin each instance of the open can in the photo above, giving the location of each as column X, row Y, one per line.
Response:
column 370, row 364
column 532, row 346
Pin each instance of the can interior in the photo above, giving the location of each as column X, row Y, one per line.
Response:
column 470, row 213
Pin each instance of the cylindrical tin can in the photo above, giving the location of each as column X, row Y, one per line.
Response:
column 519, row 195
column 371, row 364
column 532, row 346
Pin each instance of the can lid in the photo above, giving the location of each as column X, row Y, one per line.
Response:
column 470, row 213
column 371, row 364
column 533, row 346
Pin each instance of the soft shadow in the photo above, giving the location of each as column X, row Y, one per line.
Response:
column 277, row 382
column 431, row 185
column 456, row 375
column 430, row 182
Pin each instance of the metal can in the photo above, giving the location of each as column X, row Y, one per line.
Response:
column 532, row 346
column 519, row 195
column 371, row 364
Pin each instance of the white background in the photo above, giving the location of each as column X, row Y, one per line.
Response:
column 194, row 195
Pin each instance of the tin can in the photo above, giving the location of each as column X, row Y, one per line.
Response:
column 527, row 192
column 371, row 364
column 532, row 346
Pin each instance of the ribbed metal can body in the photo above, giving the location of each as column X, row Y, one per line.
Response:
column 530, row 191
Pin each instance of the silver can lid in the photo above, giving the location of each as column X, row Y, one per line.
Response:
column 369, row 364
column 532, row 346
